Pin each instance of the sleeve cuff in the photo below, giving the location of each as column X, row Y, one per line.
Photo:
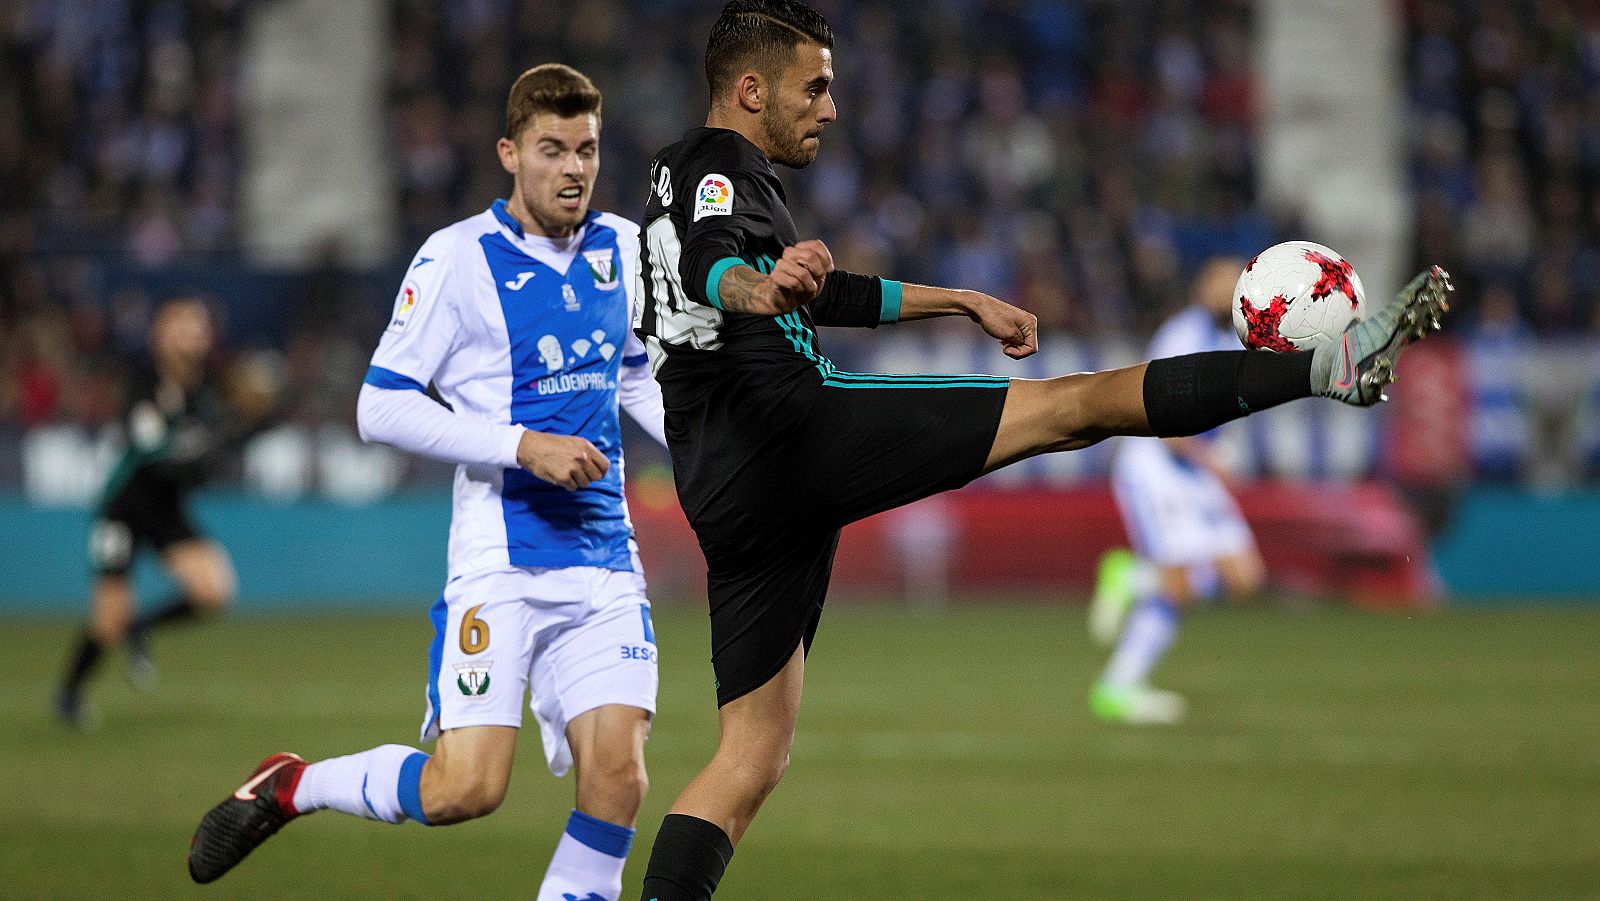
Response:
column 508, row 448
column 892, row 291
column 715, row 277
column 378, row 377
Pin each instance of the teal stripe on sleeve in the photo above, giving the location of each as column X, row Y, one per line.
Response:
column 715, row 277
column 892, row 292
column 833, row 381
column 837, row 379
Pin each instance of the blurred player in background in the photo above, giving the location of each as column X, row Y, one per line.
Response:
column 520, row 317
column 1191, row 543
column 180, row 423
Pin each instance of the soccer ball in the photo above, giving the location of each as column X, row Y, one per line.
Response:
column 1294, row 296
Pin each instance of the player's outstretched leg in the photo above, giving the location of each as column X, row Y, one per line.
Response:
column 1360, row 365
column 246, row 818
column 1192, row 394
column 381, row 784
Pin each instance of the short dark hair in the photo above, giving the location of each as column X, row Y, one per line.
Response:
column 549, row 88
column 760, row 33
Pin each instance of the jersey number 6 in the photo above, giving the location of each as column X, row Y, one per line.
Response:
column 474, row 632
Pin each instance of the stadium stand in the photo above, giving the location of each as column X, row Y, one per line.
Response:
column 1080, row 157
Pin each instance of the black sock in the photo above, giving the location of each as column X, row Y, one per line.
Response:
column 687, row 861
column 1196, row 393
column 84, row 661
column 179, row 609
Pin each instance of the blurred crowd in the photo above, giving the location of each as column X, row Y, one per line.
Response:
column 1080, row 157
column 1505, row 105
column 118, row 147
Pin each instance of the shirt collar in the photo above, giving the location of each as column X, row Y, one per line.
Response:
column 502, row 212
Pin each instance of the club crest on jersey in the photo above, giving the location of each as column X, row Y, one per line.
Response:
column 473, row 678
column 714, row 197
column 602, row 267
column 404, row 305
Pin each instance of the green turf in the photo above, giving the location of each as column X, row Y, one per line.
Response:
column 1330, row 754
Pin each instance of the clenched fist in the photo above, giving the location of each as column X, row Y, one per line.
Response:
column 565, row 460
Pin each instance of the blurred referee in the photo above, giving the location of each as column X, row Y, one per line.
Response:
column 178, row 427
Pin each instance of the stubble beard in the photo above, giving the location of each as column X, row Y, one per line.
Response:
column 555, row 221
column 784, row 147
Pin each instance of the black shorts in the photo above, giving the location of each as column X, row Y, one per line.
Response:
column 137, row 516
column 768, row 520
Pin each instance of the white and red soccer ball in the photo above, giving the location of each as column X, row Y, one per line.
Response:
column 1294, row 296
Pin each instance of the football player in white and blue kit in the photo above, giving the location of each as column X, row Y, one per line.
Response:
column 1190, row 542
column 520, row 317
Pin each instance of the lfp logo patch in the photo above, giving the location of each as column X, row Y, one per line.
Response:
column 714, row 197
column 404, row 305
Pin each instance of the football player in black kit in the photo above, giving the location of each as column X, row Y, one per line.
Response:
column 177, row 427
column 775, row 449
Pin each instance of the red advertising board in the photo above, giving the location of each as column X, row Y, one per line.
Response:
column 1356, row 541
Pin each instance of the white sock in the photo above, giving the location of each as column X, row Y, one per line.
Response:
column 587, row 865
column 380, row 784
column 1205, row 581
column 1151, row 628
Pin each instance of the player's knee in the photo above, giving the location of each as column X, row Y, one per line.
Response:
column 1068, row 419
column 1245, row 581
column 108, row 628
column 1178, row 586
column 1243, row 575
column 1182, row 598
column 215, row 593
column 615, row 787
column 765, row 771
column 630, row 783
column 773, row 774
column 208, row 604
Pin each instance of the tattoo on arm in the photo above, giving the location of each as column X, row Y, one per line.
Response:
column 738, row 291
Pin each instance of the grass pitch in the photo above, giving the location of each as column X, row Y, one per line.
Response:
column 1329, row 754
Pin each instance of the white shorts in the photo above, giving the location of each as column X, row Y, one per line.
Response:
column 576, row 638
column 1177, row 514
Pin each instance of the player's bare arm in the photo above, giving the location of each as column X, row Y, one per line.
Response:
column 796, row 279
column 1016, row 329
column 566, row 460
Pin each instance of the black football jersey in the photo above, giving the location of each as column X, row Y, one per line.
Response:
column 715, row 202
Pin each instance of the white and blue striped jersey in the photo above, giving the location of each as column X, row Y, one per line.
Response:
column 1177, row 512
column 517, row 331
column 1191, row 330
